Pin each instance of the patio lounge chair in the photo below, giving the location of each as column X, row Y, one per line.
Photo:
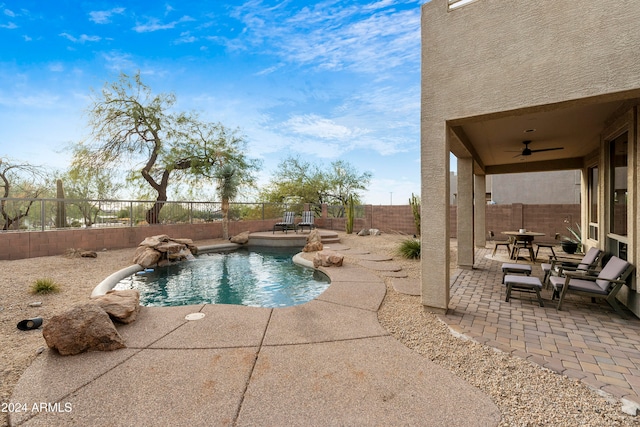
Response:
column 559, row 264
column 286, row 223
column 605, row 285
column 307, row 220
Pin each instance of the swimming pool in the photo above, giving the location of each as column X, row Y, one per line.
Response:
column 263, row 277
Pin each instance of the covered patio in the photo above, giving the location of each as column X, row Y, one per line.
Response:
column 586, row 341
column 528, row 87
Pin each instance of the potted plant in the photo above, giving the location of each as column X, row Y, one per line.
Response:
column 573, row 243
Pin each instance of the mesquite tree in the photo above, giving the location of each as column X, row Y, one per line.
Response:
column 19, row 179
column 134, row 129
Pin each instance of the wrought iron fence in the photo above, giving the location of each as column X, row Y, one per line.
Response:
column 23, row 214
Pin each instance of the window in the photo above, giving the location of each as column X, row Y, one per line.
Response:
column 618, row 194
column 618, row 201
column 454, row 4
column 593, row 202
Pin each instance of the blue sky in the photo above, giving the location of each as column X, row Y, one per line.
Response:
column 324, row 80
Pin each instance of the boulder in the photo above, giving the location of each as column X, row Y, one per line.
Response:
column 85, row 327
column 154, row 241
column 374, row 232
column 327, row 259
column 169, row 247
column 162, row 249
column 146, row 257
column 242, row 238
column 122, row 306
column 314, row 237
column 89, row 254
column 363, row 232
column 312, row 247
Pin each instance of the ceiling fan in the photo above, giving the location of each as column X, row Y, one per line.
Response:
column 526, row 151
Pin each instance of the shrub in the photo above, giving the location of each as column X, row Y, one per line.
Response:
column 409, row 248
column 45, row 286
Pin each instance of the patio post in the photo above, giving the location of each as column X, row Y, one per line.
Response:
column 435, row 226
column 465, row 213
column 480, row 208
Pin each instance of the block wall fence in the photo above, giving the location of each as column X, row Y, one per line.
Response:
column 548, row 219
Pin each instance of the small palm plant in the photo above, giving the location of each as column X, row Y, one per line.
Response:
column 45, row 286
column 409, row 248
column 228, row 183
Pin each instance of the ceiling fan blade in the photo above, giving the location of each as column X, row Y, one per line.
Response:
column 547, row 149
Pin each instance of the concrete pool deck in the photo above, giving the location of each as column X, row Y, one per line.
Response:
column 326, row 362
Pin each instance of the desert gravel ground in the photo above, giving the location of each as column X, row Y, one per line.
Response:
column 526, row 394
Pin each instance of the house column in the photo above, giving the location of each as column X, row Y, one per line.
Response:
column 465, row 213
column 480, row 208
column 434, row 228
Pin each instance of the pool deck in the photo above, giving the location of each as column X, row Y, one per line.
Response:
column 326, row 362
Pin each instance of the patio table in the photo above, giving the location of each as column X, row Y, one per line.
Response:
column 527, row 238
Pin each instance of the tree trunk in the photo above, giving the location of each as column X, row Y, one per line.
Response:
column 225, row 218
column 153, row 214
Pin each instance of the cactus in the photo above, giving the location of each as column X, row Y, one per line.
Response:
column 414, row 201
column 61, row 211
column 350, row 215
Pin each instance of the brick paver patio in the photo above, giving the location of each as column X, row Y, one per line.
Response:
column 587, row 341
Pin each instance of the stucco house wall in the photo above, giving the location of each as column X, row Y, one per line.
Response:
column 492, row 59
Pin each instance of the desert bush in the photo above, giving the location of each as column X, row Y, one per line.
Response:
column 409, row 248
column 45, row 286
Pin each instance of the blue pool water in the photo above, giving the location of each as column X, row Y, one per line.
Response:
column 260, row 278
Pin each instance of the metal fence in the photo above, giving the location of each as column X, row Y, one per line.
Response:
column 23, row 214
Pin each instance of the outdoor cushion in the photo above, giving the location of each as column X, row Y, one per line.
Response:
column 577, row 285
column 614, row 268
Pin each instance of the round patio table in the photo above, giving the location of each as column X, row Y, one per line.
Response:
column 526, row 238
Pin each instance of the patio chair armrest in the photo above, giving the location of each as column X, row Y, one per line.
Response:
column 583, row 276
column 580, row 275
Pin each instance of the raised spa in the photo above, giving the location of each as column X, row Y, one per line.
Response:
column 260, row 277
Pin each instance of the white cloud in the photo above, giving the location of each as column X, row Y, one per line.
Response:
column 56, row 67
column 82, row 39
column 317, row 127
column 154, row 24
column 9, row 26
column 332, row 36
column 104, row 16
column 186, row 37
column 9, row 13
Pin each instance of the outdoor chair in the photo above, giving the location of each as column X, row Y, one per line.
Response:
column 558, row 264
column 307, row 220
column 287, row 223
column 550, row 246
column 496, row 243
column 605, row 285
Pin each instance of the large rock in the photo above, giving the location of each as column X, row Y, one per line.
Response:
column 314, row 237
column 153, row 241
column 85, row 327
column 170, row 247
column 122, row 306
column 241, row 238
column 313, row 247
column 161, row 249
column 314, row 242
column 146, row 256
column 327, row 259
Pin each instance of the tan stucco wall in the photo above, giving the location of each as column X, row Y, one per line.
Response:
column 501, row 56
column 498, row 55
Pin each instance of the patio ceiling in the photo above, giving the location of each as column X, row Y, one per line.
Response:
column 495, row 141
